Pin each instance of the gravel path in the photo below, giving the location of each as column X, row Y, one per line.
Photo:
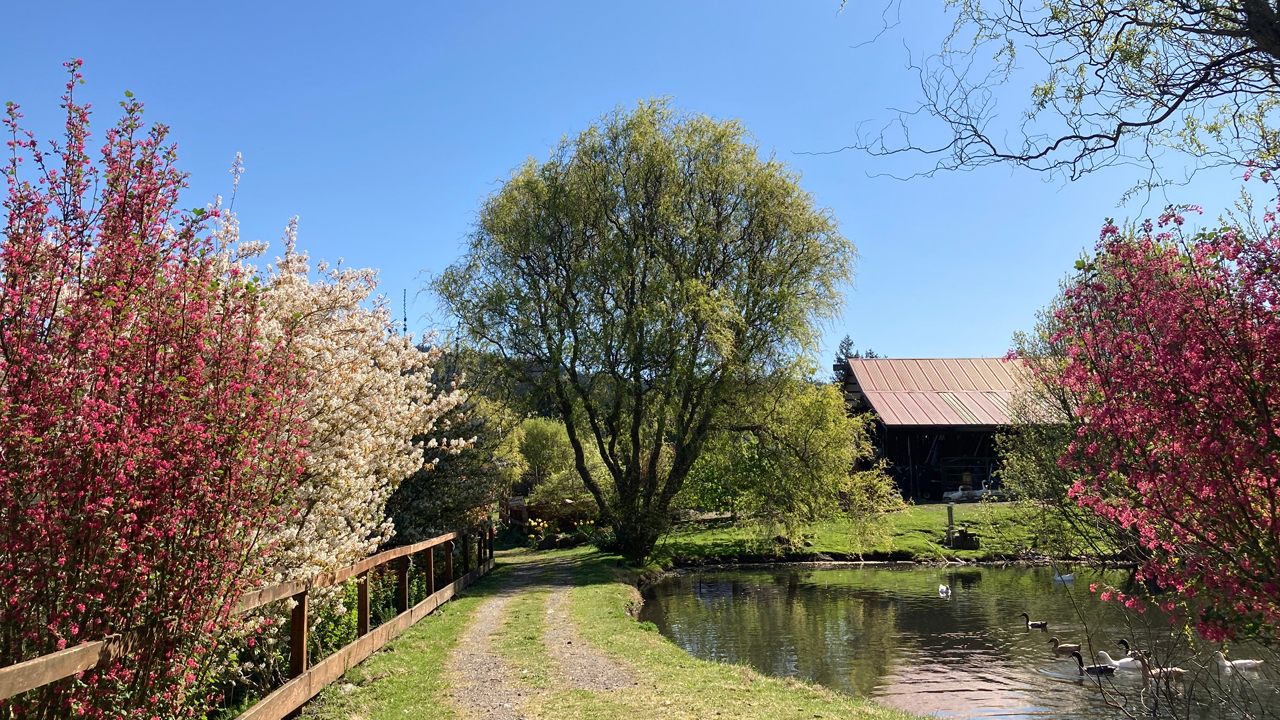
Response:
column 583, row 666
column 484, row 686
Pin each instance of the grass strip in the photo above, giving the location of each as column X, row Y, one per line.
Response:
column 1005, row 530
column 671, row 683
column 519, row 640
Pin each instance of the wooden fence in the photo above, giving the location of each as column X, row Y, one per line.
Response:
column 306, row 680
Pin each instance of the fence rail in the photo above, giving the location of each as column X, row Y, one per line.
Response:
column 305, row 680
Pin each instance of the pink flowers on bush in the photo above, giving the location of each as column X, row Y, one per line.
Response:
column 1173, row 341
column 148, row 432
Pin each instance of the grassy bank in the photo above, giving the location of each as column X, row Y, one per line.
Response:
column 671, row 683
column 408, row 678
column 1006, row 530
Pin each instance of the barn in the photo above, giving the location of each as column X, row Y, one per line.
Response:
column 936, row 418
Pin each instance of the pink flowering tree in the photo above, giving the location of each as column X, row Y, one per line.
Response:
column 148, row 433
column 1172, row 340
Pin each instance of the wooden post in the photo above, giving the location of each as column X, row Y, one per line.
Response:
column 493, row 533
column 951, row 523
column 448, row 561
column 466, row 553
column 298, row 636
column 362, row 605
column 430, row 556
column 402, row 584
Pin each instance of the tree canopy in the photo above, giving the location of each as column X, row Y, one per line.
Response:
column 1119, row 80
column 647, row 276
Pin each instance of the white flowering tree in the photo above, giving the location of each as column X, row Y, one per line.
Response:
column 371, row 394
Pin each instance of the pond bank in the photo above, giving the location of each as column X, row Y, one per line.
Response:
column 1006, row 531
column 533, row 641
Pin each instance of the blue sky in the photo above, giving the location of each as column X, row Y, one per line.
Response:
column 383, row 125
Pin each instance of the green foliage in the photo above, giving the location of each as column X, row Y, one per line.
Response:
column 1111, row 82
column 545, row 450
column 1044, row 424
column 459, row 489
column 653, row 270
column 789, row 460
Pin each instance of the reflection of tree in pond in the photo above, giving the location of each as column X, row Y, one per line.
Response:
column 886, row 633
column 782, row 624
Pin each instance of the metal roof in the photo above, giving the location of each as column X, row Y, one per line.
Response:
column 939, row 391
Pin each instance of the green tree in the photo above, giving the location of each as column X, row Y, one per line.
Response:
column 1044, row 423
column 653, row 270
column 469, row 458
column 1115, row 82
column 791, row 459
column 844, row 352
column 545, row 449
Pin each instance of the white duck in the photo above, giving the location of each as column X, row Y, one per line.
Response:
column 944, row 591
column 1235, row 664
column 1124, row 663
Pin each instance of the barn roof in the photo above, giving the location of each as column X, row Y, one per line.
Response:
column 972, row 392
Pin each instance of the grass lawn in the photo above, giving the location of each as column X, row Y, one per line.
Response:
column 1005, row 530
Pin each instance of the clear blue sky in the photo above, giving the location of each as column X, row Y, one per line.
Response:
column 382, row 125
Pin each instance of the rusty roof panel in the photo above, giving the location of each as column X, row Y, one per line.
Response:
column 939, row 391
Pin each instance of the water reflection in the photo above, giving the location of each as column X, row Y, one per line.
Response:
column 887, row 634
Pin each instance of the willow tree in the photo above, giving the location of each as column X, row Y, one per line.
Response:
column 648, row 276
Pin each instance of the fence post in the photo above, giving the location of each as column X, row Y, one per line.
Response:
column 298, row 636
column 362, row 604
column 466, row 553
column 430, row 556
column 402, row 584
column 493, row 532
column 448, row 561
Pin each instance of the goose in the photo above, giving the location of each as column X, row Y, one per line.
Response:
column 1104, row 657
column 1063, row 648
column 1041, row 625
column 1168, row 673
column 1065, row 579
column 1235, row 664
column 944, row 591
column 1092, row 669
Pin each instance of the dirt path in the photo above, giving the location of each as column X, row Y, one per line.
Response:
column 581, row 666
column 482, row 683
column 484, row 686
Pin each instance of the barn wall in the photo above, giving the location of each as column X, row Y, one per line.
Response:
column 927, row 461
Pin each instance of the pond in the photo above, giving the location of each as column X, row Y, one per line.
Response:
column 884, row 632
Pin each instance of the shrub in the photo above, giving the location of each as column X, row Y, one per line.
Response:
column 149, row 432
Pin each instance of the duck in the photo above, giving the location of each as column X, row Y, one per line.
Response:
column 1041, row 625
column 1104, row 657
column 1168, row 673
column 944, row 591
column 1092, row 669
column 1063, row 648
column 1128, row 651
column 1065, row 579
column 1223, row 662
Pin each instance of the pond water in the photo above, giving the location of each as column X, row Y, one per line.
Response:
column 884, row 632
